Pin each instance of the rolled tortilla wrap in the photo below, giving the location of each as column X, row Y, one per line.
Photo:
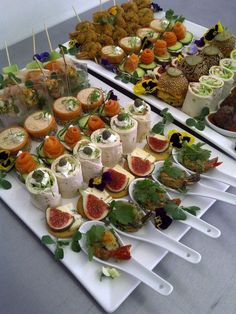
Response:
column 142, row 114
column 128, row 135
column 227, row 77
column 69, row 176
column 195, row 101
column 217, row 85
column 111, row 147
column 44, row 193
column 91, row 164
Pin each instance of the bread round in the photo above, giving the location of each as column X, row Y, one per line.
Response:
column 130, row 44
column 14, row 139
column 84, row 97
column 113, row 54
column 148, row 32
column 156, row 25
column 66, row 109
column 38, row 126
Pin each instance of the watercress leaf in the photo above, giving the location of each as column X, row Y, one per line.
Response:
column 169, row 14
column 158, row 128
column 190, row 122
column 205, row 111
column 117, row 77
column 77, row 236
column 192, row 209
column 175, row 211
column 200, row 125
column 63, row 243
column 59, row 253
column 75, row 246
column 47, row 240
column 6, row 185
column 2, row 175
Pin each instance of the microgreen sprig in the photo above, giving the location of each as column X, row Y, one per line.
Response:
column 199, row 121
column 4, row 184
column 59, row 244
column 159, row 127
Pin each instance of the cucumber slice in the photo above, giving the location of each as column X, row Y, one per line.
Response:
column 149, row 66
column 187, row 39
column 176, row 47
column 165, row 58
column 41, row 155
column 140, row 72
column 82, row 122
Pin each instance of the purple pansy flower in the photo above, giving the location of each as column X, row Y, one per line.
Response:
column 100, row 182
column 162, row 220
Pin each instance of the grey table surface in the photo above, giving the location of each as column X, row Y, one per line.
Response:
column 32, row 282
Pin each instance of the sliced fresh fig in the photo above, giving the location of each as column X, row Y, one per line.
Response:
column 158, row 143
column 119, row 181
column 140, row 167
column 59, row 220
column 94, row 207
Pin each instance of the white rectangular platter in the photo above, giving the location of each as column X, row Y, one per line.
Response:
column 227, row 144
column 108, row 293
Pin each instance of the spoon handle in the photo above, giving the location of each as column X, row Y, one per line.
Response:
column 151, row 279
column 201, row 226
column 221, row 177
column 203, row 190
column 159, row 238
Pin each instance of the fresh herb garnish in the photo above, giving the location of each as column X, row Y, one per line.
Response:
column 146, row 192
column 4, row 184
column 173, row 18
column 159, row 127
column 127, row 77
column 199, row 121
column 93, row 235
column 121, row 212
column 172, row 171
column 94, row 96
column 193, row 152
column 59, row 244
column 177, row 212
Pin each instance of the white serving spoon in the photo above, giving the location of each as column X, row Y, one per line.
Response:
column 192, row 221
column 131, row 267
column 201, row 189
column 215, row 174
column 147, row 231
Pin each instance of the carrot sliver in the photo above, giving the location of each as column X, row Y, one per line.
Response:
column 95, row 123
column 112, row 108
column 25, row 163
column 52, row 147
column 72, row 136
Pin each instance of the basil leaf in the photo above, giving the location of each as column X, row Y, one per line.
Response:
column 158, row 128
column 175, row 211
column 47, row 240
column 190, row 122
column 61, row 243
column 6, row 185
column 77, row 236
column 192, row 209
column 59, row 253
column 75, row 246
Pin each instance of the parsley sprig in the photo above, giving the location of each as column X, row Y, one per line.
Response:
column 194, row 152
column 121, row 213
column 60, row 244
column 173, row 18
column 93, row 235
column 159, row 127
column 177, row 212
column 4, row 184
column 198, row 122
column 172, row 171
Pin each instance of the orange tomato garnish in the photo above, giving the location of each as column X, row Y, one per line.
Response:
column 72, row 136
column 112, row 108
column 95, row 123
column 147, row 56
column 25, row 163
column 52, row 147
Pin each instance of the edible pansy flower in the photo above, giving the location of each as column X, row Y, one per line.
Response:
column 212, row 32
column 42, row 57
column 200, row 42
column 100, row 182
column 162, row 220
column 6, row 161
column 113, row 10
column 112, row 96
column 146, row 86
column 155, row 7
column 109, row 66
column 176, row 138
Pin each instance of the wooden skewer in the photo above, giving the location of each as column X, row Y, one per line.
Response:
column 7, row 52
column 33, row 38
column 77, row 15
column 100, row 5
column 114, row 3
column 49, row 41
